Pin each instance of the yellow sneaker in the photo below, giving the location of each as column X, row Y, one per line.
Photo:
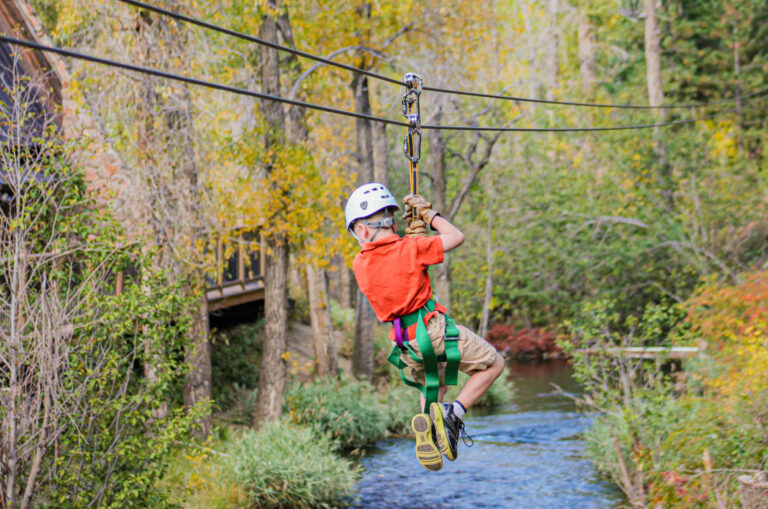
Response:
column 447, row 428
column 426, row 450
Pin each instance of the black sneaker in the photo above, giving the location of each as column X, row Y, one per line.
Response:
column 427, row 451
column 448, row 429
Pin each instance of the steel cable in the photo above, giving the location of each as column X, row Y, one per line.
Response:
column 193, row 81
column 256, row 40
column 328, row 109
column 326, row 61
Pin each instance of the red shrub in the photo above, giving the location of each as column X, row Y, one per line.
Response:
column 535, row 342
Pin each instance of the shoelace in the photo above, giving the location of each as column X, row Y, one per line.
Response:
column 468, row 440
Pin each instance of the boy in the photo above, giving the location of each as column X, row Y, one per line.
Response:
column 392, row 273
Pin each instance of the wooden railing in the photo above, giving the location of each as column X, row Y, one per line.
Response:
column 646, row 352
column 239, row 272
column 238, row 276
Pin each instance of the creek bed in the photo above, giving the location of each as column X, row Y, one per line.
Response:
column 526, row 454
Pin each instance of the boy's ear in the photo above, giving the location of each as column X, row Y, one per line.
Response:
column 359, row 229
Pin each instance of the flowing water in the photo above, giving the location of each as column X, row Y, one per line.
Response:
column 527, row 454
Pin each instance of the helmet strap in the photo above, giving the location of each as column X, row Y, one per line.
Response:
column 384, row 223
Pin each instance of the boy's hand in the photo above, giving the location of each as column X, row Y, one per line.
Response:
column 417, row 228
column 422, row 206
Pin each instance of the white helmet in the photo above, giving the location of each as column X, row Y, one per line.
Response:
column 366, row 200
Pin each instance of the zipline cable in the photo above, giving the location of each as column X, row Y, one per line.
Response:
column 326, row 61
column 256, row 40
column 193, row 81
column 596, row 105
column 328, row 109
column 579, row 129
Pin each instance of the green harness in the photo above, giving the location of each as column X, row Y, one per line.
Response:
column 429, row 359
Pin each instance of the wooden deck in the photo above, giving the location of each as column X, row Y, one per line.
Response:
column 239, row 277
column 234, row 294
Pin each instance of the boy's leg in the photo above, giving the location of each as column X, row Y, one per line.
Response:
column 484, row 364
column 440, row 396
column 479, row 382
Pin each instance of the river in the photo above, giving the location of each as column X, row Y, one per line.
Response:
column 526, row 454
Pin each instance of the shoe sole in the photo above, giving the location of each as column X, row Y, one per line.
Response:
column 436, row 413
column 426, row 451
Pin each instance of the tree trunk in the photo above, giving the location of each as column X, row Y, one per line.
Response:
column 737, row 73
column 326, row 360
column 322, row 326
column 656, row 97
column 440, row 274
column 653, row 57
column 553, row 47
column 532, row 81
column 587, row 58
column 364, row 130
column 269, row 402
column 486, row 316
column 380, row 154
column 347, row 285
column 587, row 62
column 362, row 357
column 198, row 356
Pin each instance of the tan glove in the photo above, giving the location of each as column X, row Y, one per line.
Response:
column 422, row 206
column 417, row 228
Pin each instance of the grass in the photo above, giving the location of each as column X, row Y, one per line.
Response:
column 346, row 411
column 290, row 465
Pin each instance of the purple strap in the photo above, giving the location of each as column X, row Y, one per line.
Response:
column 401, row 334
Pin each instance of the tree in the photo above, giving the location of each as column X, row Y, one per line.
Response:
column 326, row 360
column 269, row 403
column 169, row 182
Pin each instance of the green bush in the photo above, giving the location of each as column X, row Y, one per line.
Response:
column 679, row 447
column 289, row 465
column 235, row 357
column 202, row 477
column 398, row 404
column 345, row 410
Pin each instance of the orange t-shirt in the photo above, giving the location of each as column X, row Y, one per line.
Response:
column 392, row 273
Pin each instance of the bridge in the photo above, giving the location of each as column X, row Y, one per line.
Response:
column 239, row 271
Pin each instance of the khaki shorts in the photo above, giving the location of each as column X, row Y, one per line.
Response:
column 476, row 353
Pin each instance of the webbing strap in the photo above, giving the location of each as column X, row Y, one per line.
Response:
column 428, row 357
column 431, row 374
column 411, row 318
column 452, row 356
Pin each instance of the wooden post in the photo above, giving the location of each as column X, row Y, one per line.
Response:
column 241, row 260
column 119, row 282
column 262, row 258
column 220, row 261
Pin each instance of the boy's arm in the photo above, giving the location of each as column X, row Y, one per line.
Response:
column 449, row 234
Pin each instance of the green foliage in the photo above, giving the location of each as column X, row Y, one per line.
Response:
column 201, row 477
column 398, row 403
column 679, row 441
column 344, row 410
column 82, row 411
column 235, row 357
column 290, row 465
